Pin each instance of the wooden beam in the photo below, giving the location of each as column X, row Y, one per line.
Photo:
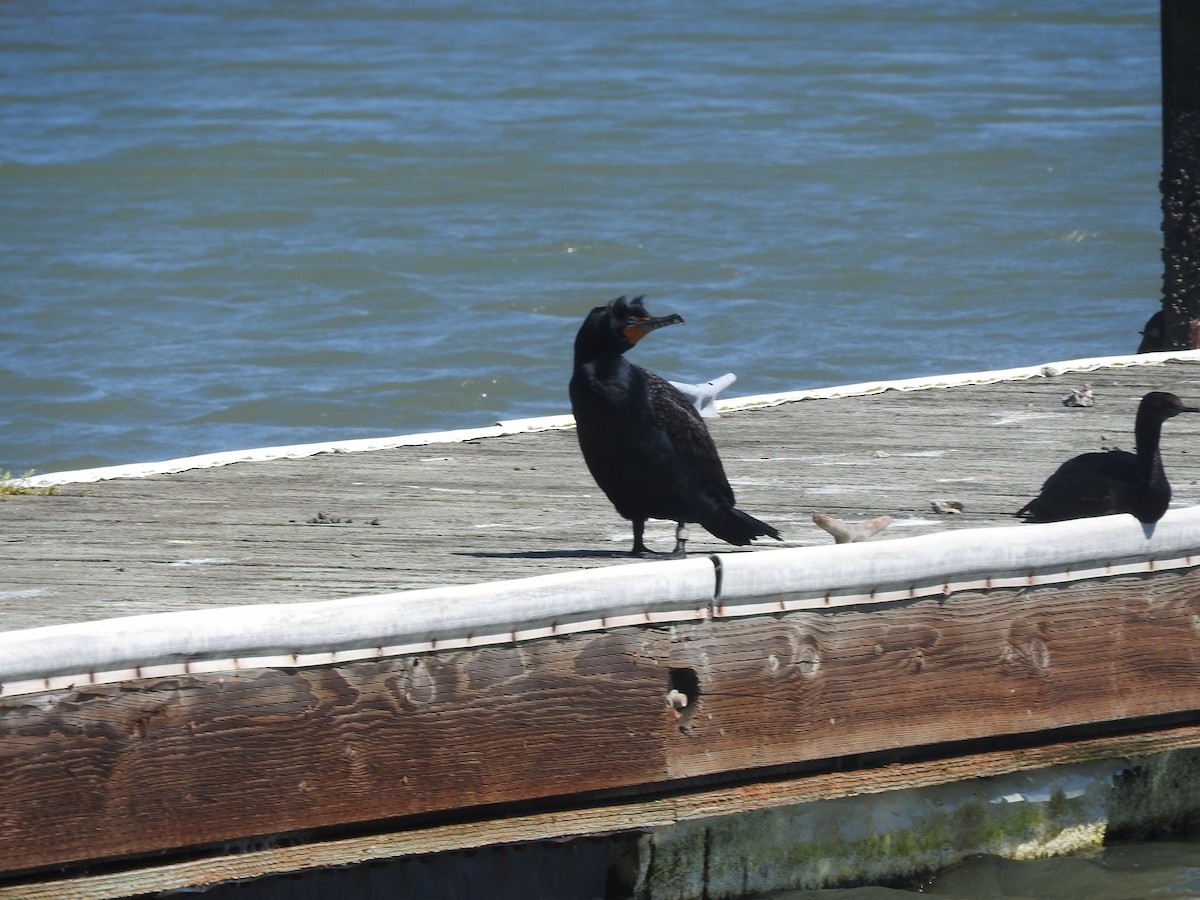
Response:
column 196, row 760
column 190, row 762
column 976, row 664
column 596, row 820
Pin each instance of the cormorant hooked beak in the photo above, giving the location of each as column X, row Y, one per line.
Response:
column 643, row 325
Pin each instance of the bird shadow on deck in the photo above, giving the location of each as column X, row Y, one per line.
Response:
column 548, row 554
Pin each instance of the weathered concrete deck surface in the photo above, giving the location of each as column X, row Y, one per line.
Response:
column 342, row 524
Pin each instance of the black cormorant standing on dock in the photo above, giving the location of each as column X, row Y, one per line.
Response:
column 644, row 443
column 1113, row 481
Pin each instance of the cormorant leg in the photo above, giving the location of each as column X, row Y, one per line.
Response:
column 639, row 547
column 681, row 536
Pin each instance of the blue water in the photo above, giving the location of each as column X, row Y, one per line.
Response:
column 256, row 223
column 242, row 224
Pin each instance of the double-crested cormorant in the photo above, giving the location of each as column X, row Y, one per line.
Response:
column 1113, row 481
column 1152, row 334
column 642, row 439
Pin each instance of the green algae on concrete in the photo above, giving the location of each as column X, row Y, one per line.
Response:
column 881, row 837
column 1156, row 794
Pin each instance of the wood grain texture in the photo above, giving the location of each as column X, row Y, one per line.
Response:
column 189, row 762
column 197, row 760
column 819, row 685
column 220, row 867
column 508, row 507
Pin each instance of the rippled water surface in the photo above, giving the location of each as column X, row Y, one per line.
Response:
column 243, row 224
column 253, row 223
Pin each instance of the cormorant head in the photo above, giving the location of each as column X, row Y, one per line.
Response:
column 617, row 326
column 1159, row 406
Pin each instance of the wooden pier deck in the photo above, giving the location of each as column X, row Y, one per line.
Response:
column 341, row 524
column 703, row 704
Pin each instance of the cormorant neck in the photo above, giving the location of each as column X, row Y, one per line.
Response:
column 1147, row 434
column 591, row 346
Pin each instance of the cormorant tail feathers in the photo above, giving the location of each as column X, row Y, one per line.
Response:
column 736, row 527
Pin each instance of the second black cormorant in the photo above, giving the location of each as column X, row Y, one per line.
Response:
column 643, row 442
column 1113, row 481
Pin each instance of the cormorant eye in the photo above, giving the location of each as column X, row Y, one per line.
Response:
column 630, row 320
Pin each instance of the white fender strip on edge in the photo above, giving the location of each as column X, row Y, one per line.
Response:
column 548, row 423
column 766, row 582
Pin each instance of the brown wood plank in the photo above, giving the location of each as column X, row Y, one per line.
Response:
column 160, row 765
column 594, row 820
column 818, row 685
column 189, row 761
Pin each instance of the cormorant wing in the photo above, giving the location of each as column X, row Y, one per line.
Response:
column 675, row 415
column 1091, row 484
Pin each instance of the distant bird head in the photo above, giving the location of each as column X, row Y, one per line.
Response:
column 617, row 326
column 1161, row 405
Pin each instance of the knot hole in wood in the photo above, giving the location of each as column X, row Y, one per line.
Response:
column 683, row 695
